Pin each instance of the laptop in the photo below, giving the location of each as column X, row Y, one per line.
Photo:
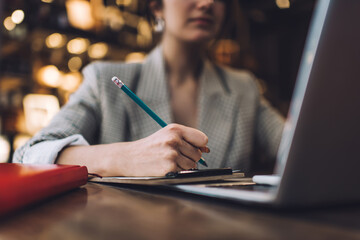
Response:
column 318, row 161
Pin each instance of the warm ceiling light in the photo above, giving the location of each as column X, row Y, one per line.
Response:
column 17, row 16
column 71, row 81
column 98, row 50
column 144, row 37
column 39, row 109
column 123, row 2
column 135, row 57
column 49, row 76
column 9, row 24
column 79, row 14
column 47, row 1
column 20, row 139
column 77, row 45
column 226, row 51
column 228, row 45
column 113, row 18
column 74, row 64
column 144, row 28
column 283, row 3
column 55, row 40
column 4, row 149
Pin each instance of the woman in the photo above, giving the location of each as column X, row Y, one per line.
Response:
column 101, row 128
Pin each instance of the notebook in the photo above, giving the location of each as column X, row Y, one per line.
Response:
column 186, row 176
column 318, row 161
column 24, row 184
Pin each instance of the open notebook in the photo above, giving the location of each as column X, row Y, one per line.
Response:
column 189, row 176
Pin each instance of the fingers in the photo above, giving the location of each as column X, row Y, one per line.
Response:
column 189, row 142
column 189, row 151
column 204, row 149
column 186, row 163
column 192, row 136
column 173, row 148
column 181, row 152
column 175, row 161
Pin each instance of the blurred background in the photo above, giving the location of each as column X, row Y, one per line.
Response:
column 44, row 44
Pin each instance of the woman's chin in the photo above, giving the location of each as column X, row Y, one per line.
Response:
column 200, row 38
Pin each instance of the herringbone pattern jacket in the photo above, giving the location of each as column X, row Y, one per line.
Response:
column 232, row 113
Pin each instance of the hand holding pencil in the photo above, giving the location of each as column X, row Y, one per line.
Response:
column 189, row 142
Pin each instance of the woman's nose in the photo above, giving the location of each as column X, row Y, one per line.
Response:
column 205, row 3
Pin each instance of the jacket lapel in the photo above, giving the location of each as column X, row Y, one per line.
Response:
column 152, row 88
column 217, row 109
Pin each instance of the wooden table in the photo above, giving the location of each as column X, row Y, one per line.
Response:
column 98, row 211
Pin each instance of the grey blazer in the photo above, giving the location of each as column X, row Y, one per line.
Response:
column 232, row 113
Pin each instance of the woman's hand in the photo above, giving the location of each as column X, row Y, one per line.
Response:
column 173, row 148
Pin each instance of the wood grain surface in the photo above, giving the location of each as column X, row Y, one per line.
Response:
column 98, row 211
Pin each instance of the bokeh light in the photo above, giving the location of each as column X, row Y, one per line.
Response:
column 9, row 24
column 98, row 50
column 49, row 76
column 55, row 40
column 74, row 64
column 77, row 45
column 17, row 16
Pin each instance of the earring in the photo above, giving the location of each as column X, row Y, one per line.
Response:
column 159, row 24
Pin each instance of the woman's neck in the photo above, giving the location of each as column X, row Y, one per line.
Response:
column 183, row 61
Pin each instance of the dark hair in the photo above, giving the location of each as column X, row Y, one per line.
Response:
column 149, row 16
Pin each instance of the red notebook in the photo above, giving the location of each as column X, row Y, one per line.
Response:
column 23, row 184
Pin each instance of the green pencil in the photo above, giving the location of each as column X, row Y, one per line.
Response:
column 151, row 113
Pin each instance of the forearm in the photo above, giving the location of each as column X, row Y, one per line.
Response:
column 96, row 158
column 115, row 159
column 172, row 148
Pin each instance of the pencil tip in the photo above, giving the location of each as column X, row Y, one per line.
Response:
column 202, row 162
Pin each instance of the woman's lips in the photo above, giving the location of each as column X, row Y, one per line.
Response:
column 202, row 21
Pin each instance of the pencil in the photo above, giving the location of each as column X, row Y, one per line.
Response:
column 151, row 113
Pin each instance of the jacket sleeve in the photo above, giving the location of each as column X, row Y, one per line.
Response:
column 269, row 127
column 268, row 121
column 75, row 124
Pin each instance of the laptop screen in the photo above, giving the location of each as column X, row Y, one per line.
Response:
column 307, row 61
column 320, row 149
